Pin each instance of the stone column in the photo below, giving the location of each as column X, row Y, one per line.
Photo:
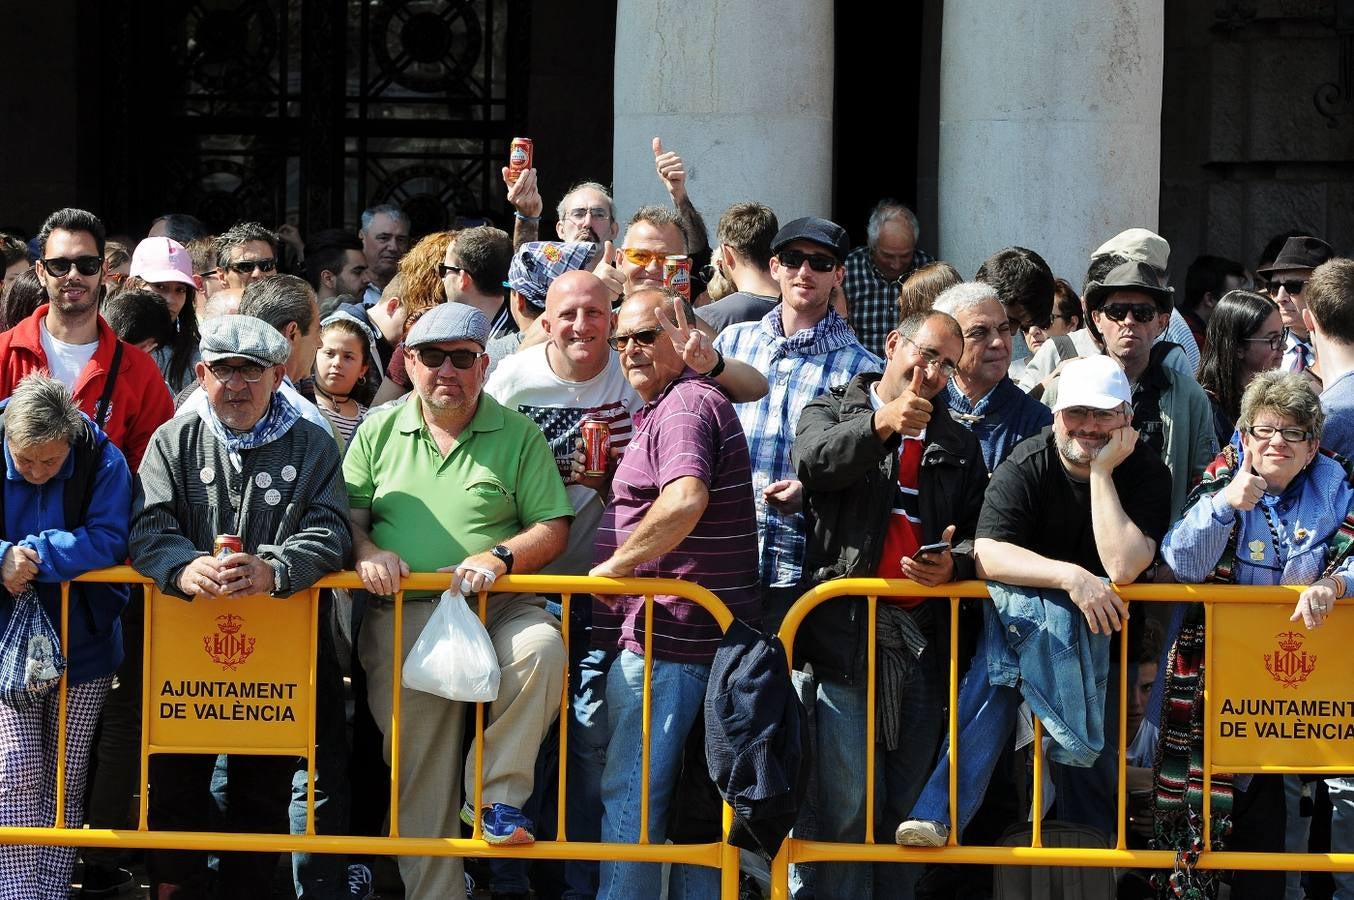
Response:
column 1050, row 127
column 742, row 91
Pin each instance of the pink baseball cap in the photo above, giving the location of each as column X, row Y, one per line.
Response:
column 161, row 259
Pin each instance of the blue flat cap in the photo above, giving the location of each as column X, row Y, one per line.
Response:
column 449, row 322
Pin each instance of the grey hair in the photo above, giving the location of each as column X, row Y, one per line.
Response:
column 383, row 209
column 1287, row 393
column 562, row 210
column 280, row 300
column 965, row 295
column 887, row 210
column 915, row 322
column 41, row 409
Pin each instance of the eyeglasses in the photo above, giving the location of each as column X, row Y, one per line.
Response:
column 1290, row 435
column 1275, row 342
column 1024, row 326
column 583, row 213
column 643, row 258
column 60, row 266
column 1141, row 312
column 645, row 338
column 819, row 262
column 250, row 372
column 247, row 266
column 461, row 359
column 932, row 360
column 1294, row 286
column 443, row 270
column 1082, row 413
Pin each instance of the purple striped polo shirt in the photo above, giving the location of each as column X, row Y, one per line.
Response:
column 690, row 430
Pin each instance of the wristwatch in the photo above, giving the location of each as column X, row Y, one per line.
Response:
column 505, row 555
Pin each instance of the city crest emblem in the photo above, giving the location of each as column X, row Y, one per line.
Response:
column 1290, row 664
column 229, row 647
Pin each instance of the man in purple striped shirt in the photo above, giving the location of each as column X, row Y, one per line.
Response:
column 680, row 507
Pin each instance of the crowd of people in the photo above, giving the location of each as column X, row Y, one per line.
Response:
column 805, row 411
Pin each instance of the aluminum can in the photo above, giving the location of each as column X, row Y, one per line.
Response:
column 677, row 275
column 596, row 443
column 519, row 158
column 226, row 544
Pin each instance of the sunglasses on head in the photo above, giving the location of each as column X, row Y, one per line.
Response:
column 461, row 359
column 247, row 266
column 819, row 262
column 1141, row 312
column 644, row 338
column 1294, row 286
column 60, row 266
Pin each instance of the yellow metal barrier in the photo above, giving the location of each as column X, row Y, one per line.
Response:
column 796, row 850
column 718, row 855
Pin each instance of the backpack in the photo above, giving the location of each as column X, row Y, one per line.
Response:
column 88, row 452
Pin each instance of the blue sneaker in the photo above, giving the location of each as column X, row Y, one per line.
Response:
column 502, row 824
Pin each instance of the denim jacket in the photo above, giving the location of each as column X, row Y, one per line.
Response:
column 1039, row 642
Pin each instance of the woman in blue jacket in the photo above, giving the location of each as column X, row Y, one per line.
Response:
column 65, row 506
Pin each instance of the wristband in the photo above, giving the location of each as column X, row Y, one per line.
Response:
column 521, row 218
column 719, row 367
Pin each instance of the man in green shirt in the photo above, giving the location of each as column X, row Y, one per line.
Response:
column 450, row 481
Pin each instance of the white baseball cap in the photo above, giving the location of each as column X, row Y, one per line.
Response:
column 1097, row 382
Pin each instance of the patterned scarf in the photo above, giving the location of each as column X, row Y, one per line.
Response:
column 274, row 423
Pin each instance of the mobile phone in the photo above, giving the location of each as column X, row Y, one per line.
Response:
column 937, row 547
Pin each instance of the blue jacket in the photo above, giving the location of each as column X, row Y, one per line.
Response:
column 1038, row 641
column 34, row 517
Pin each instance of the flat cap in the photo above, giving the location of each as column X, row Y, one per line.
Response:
column 449, row 322
column 244, row 336
column 829, row 234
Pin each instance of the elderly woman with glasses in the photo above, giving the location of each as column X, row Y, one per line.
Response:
column 1245, row 337
column 65, row 504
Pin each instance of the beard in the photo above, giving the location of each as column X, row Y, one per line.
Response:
column 1075, row 453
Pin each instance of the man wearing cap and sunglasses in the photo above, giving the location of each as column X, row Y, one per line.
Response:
column 116, row 385
column 804, row 348
column 246, row 252
column 1170, row 411
column 451, row 481
column 1286, row 280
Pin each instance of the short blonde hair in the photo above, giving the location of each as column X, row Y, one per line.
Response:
column 1286, row 393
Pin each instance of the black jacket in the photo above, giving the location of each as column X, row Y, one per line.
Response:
column 849, row 477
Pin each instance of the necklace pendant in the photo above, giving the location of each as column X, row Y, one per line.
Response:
column 1257, row 549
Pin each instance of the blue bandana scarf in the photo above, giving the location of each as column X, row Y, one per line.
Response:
column 277, row 421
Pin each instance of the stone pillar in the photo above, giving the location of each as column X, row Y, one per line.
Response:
column 742, row 91
column 1050, row 127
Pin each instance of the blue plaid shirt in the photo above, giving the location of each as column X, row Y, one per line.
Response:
column 798, row 369
column 872, row 298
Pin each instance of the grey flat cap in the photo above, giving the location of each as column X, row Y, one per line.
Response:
column 244, row 336
column 449, row 322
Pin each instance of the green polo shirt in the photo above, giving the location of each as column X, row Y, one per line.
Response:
column 498, row 480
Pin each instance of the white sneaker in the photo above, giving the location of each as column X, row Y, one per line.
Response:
column 921, row 833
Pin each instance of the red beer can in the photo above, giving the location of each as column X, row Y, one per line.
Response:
column 226, row 544
column 677, row 275
column 596, row 444
column 519, row 158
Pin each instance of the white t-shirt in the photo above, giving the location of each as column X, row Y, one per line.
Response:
column 65, row 361
column 525, row 382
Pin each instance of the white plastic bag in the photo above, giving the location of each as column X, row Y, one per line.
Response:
column 453, row 656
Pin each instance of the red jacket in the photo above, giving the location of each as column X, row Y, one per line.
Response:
column 140, row 403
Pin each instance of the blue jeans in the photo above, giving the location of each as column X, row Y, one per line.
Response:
column 1341, row 792
column 1089, row 796
column 987, row 716
column 677, row 695
column 898, row 780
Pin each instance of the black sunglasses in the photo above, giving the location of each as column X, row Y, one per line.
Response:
column 1294, row 286
column 247, row 266
column 644, row 338
column 461, row 359
column 59, row 266
column 443, row 270
column 1141, row 312
column 819, row 262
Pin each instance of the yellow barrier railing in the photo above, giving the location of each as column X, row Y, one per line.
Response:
column 719, row 855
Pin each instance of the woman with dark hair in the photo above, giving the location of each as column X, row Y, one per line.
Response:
column 164, row 266
column 14, row 260
column 1245, row 337
column 25, row 295
column 1065, row 317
